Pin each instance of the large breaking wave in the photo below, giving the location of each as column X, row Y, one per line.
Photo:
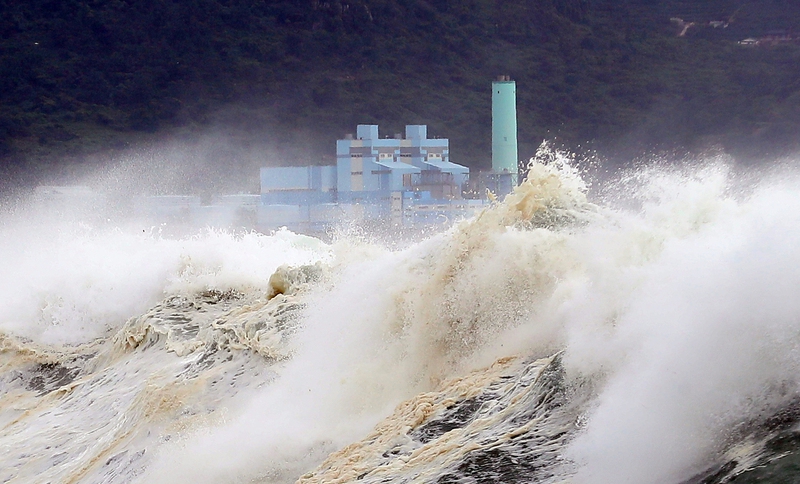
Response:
column 649, row 335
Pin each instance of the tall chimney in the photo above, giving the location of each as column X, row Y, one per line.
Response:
column 504, row 127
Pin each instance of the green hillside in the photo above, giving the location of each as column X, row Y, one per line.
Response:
column 290, row 77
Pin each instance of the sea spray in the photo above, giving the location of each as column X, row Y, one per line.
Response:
column 646, row 337
column 671, row 318
column 703, row 338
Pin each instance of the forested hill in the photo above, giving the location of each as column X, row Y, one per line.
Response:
column 79, row 77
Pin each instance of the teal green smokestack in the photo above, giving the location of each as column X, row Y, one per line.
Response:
column 504, row 126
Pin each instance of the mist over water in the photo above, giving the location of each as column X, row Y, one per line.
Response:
column 668, row 296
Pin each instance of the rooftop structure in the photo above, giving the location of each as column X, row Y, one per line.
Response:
column 369, row 165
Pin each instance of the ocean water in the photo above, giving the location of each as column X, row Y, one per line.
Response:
column 644, row 331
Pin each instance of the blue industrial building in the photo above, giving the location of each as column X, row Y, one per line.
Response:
column 403, row 181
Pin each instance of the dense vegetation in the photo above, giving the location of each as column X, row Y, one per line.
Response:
column 288, row 77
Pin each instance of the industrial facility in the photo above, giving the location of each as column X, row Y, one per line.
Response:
column 403, row 181
column 399, row 181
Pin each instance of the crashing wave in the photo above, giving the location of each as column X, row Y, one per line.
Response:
column 548, row 339
column 93, row 412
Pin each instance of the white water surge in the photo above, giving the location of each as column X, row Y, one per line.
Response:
column 643, row 337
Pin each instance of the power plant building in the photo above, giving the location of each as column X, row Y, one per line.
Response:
column 402, row 180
